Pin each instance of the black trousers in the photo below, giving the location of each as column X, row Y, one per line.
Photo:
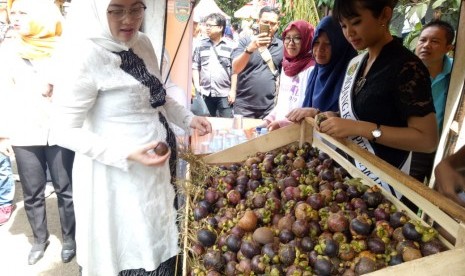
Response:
column 32, row 162
column 220, row 105
column 421, row 167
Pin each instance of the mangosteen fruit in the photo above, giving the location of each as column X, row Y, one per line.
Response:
column 365, row 265
column 230, row 269
column 300, row 228
column 211, row 195
column 259, row 200
column 250, row 248
column 287, row 254
column 410, row 253
column 396, row 259
column 213, row 259
column 200, row 212
column 270, row 249
column 410, row 232
column 376, row 245
column 206, row 237
column 258, row 265
column 233, row 242
column 337, row 222
column 307, row 244
column 373, row 196
column 286, row 236
column 331, row 248
column 263, row 235
column 323, row 267
column 360, row 226
column 233, row 197
column 398, row 219
column 431, row 247
column 316, row 201
column 248, row 221
column 161, row 149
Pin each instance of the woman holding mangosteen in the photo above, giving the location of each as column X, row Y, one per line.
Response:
column 385, row 103
column 112, row 110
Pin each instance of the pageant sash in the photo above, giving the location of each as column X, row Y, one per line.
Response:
column 347, row 112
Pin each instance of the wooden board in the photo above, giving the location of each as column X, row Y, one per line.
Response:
column 264, row 143
column 451, row 262
column 453, row 134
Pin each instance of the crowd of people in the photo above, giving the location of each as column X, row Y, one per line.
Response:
column 64, row 110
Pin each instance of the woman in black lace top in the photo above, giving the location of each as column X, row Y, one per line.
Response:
column 386, row 104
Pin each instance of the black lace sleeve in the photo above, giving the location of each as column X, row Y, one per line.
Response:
column 414, row 85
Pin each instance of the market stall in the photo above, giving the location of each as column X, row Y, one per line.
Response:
column 442, row 210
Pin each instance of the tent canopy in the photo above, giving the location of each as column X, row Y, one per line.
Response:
column 247, row 11
column 206, row 7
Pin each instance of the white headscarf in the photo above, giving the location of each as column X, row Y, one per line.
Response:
column 87, row 19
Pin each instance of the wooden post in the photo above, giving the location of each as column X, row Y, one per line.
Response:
column 453, row 130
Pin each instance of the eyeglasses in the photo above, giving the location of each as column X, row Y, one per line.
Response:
column 295, row 40
column 134, row 13
column 209, row 26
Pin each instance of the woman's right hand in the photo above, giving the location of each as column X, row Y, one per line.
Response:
column 449, row 181
column 298, row 114
column 146, row 155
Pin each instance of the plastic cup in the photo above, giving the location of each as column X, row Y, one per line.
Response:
column 237, row 121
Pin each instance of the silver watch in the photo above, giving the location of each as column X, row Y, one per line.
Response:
column 377, row 132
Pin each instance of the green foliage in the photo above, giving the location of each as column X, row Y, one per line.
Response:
column 427, row 10
column 230, row 6
column 298, row 9
column 313, row 10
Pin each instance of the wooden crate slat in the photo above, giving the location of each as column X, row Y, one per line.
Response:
column 450, row 262
column 263, row 143
column 356, row 173
column 418, row 193
column 455, row 100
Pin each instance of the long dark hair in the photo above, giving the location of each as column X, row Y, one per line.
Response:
column 348, row 8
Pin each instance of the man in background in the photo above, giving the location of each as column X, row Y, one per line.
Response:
column 211, row 68
column 435, row 41
column 257, row 61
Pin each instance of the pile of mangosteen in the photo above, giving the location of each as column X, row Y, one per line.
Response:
column 294, row 211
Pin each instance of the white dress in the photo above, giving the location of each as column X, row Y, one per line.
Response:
column 124, row 210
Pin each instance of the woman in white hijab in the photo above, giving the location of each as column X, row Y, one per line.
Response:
column 112, row 110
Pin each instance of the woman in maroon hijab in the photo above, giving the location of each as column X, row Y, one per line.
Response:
column 297, row 65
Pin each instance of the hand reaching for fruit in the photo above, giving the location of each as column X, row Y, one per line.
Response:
column 151, row 154
column 201, row 124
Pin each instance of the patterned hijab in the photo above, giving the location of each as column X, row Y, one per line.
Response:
column 294, row 65
column 45, row 27
column 325, row 81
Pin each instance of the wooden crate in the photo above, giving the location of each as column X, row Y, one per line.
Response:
column 446, row 213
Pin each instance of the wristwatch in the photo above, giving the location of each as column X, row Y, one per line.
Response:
column 377, row 132
column 247, row 51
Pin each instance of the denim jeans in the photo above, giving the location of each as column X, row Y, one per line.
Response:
column 7, row 182
column 218, row 106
